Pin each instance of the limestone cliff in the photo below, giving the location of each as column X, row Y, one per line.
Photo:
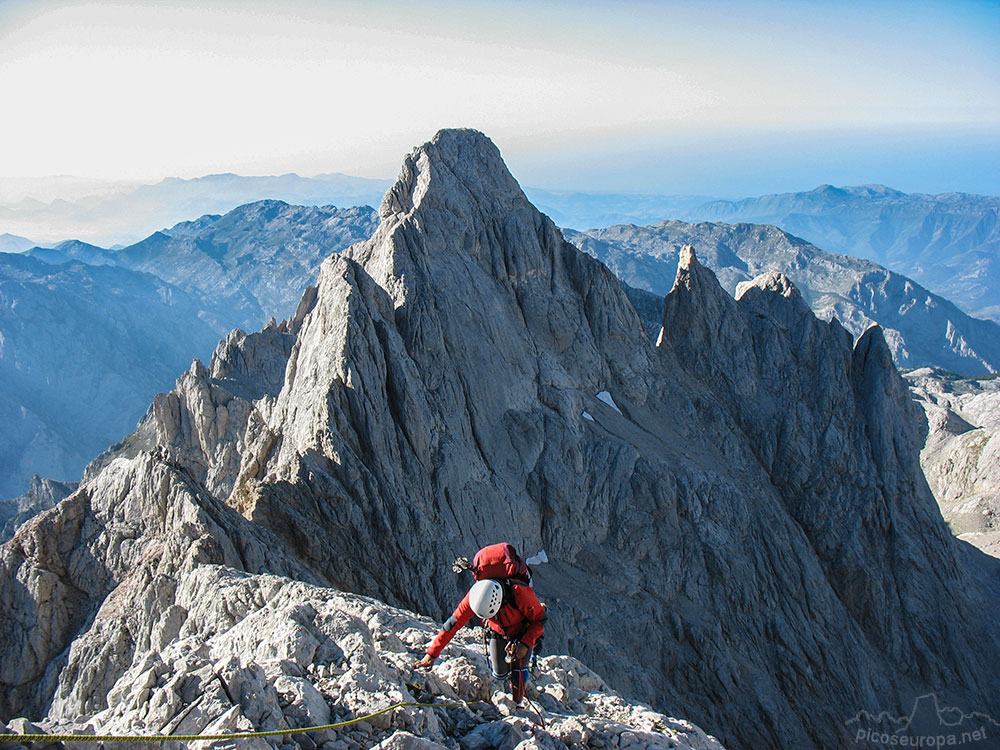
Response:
column 961, row 458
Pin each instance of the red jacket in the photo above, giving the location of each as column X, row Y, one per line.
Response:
column 523, row 622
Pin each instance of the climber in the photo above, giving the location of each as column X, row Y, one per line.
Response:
column 510, row 611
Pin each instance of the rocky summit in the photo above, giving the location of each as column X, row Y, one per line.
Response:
column 738, row 529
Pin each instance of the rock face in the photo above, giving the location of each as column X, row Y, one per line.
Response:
column 235, row 652
column 921, row 328
column 738, row 528
column 949, row 242
column 961, row 458
column 182, row 617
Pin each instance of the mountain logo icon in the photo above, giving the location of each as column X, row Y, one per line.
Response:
column 928, row 725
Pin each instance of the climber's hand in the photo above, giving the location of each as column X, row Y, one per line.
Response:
column 520, row 651
column 426, row 663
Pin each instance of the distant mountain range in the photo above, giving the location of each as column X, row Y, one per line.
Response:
column 921, row 328
column 950, row 243
column 125, row 216
column 131, row 321
column 255, row 260
column 586, row 210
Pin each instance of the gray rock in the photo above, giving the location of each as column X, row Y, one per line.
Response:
column 405, row 741
column 499, row 735
column 961, row 457
column 177, row 637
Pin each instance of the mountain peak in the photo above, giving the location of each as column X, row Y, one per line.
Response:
column 770, row 281
column 457, row 170
column 456, row 199
column 692, row 275
column 826, row 190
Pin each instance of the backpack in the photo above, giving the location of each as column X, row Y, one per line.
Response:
column 500, row 561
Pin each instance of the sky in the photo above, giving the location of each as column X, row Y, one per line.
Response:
column 721, row 98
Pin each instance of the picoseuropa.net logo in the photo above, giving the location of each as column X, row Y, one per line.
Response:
column 929, row 725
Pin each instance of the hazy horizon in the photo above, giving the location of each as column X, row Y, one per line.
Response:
column 721, row 98
column 48, row 189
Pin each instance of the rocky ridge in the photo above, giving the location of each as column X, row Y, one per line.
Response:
column 256, row 259
column 183, row 632
column 961, row 458
column 738, row 527
column 921, row 328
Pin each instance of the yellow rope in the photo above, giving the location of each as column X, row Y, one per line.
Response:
column 231, row 736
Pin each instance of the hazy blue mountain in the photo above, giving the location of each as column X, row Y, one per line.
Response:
column 82, row 350
column 122, row 215
column 12, row 243
column 259, row 256
column 125, row 216
column 950, row 243
column 74, row 250
column 15, row 191
column 921, row 328
column 256, row 259
column 133, row 319
column 588, row 210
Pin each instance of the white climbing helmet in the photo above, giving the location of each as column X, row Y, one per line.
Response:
column 485, row 598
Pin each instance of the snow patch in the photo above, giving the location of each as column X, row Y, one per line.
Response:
column 606, row 398
column 538, row 559
column 586, row 415
column 659, row 337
